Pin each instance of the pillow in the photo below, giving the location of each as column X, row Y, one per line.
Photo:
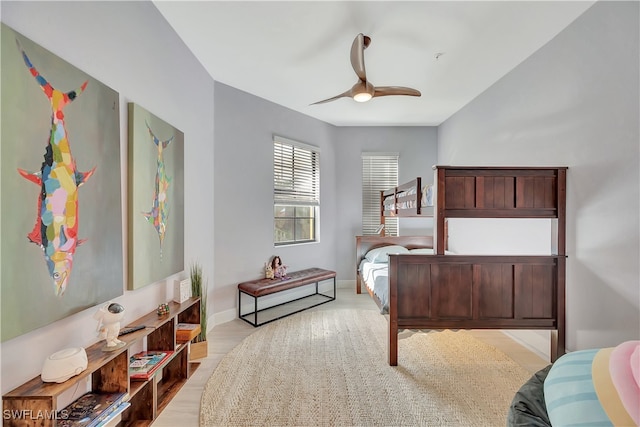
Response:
column 569, row 393
column 381, row 254
column 594, row 387
column 427, row 195
column 421, row 251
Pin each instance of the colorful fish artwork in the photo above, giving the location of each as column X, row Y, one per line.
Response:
column 56, row 227
column 159, row 212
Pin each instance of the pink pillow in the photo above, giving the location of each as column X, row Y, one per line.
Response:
column 635, row 365
column 624, row 367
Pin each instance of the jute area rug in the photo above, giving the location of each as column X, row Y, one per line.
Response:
column 329, row 368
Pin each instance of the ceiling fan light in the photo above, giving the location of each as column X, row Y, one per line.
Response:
column 362, row 97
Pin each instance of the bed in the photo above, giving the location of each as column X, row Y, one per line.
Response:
column 372, row 272
column 442, row 291
column 411, row 199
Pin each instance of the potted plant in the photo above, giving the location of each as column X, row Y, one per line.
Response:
column 199, row 344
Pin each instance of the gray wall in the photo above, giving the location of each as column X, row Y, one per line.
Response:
column 243, row 188
column 575, row 103
column 131, row 48
column 244, row 174
column 417, row 147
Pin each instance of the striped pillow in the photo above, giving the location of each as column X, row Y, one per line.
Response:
column 599, row 387
column 569, row 393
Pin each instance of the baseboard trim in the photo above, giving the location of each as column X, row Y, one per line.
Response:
column 346, row 284
column 532, row 341
column 222, row 317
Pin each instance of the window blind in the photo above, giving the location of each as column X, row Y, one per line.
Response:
column 379, row 172
column 296, row 173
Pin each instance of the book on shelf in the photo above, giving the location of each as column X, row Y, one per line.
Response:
column 187, row 331
column 144, row 364
column 90, row 409
column 113, row 414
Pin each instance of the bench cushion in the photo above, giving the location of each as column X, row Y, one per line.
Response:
column 262, row 287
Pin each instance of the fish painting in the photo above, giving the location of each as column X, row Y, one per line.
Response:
column 56, row 227
column 159, row 212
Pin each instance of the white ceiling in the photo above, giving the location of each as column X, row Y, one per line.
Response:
column 295, row 53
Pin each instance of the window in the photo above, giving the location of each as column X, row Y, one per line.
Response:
column 379, row 172
column 296, row 191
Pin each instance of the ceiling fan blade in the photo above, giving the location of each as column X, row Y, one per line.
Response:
column 342, row 95
column 358, row 46
column 363, row 90
column 395, row 90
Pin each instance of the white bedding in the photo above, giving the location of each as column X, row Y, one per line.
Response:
column 375, row 275
column 376, row 278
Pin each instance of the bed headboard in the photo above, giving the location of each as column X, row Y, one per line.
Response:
column 365, row 243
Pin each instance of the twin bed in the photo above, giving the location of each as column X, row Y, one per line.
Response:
column 373, row 268
column 428, row 289
column 409, row 199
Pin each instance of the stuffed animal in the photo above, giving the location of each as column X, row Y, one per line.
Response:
column 268, row 271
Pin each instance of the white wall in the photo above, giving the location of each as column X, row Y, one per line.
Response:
column 490, row 236
column 575, row 103
column 418, row 153
column 129, row 47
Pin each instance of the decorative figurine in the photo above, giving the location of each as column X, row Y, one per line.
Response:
column 163, row 309
column 279, row 269
column 268, row 271
column 108, row 318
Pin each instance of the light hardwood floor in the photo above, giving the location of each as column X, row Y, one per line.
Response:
column 184, row 409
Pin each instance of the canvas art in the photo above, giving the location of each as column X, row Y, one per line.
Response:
column 60, row 193
column 156, row 198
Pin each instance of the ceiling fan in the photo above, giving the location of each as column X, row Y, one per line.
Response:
column 363, row 90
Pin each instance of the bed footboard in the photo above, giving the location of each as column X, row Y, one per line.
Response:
column 476, row 292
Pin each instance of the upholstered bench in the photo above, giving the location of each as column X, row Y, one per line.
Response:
column 263, row 287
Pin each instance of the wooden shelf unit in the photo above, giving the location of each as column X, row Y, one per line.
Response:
column 35, row 402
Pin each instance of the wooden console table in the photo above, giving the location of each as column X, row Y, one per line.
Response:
column 262, row 287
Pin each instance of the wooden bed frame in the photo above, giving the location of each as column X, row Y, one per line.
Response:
column 482, row 292
column 400, row 197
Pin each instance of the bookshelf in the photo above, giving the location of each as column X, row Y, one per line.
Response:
column 35, row 402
